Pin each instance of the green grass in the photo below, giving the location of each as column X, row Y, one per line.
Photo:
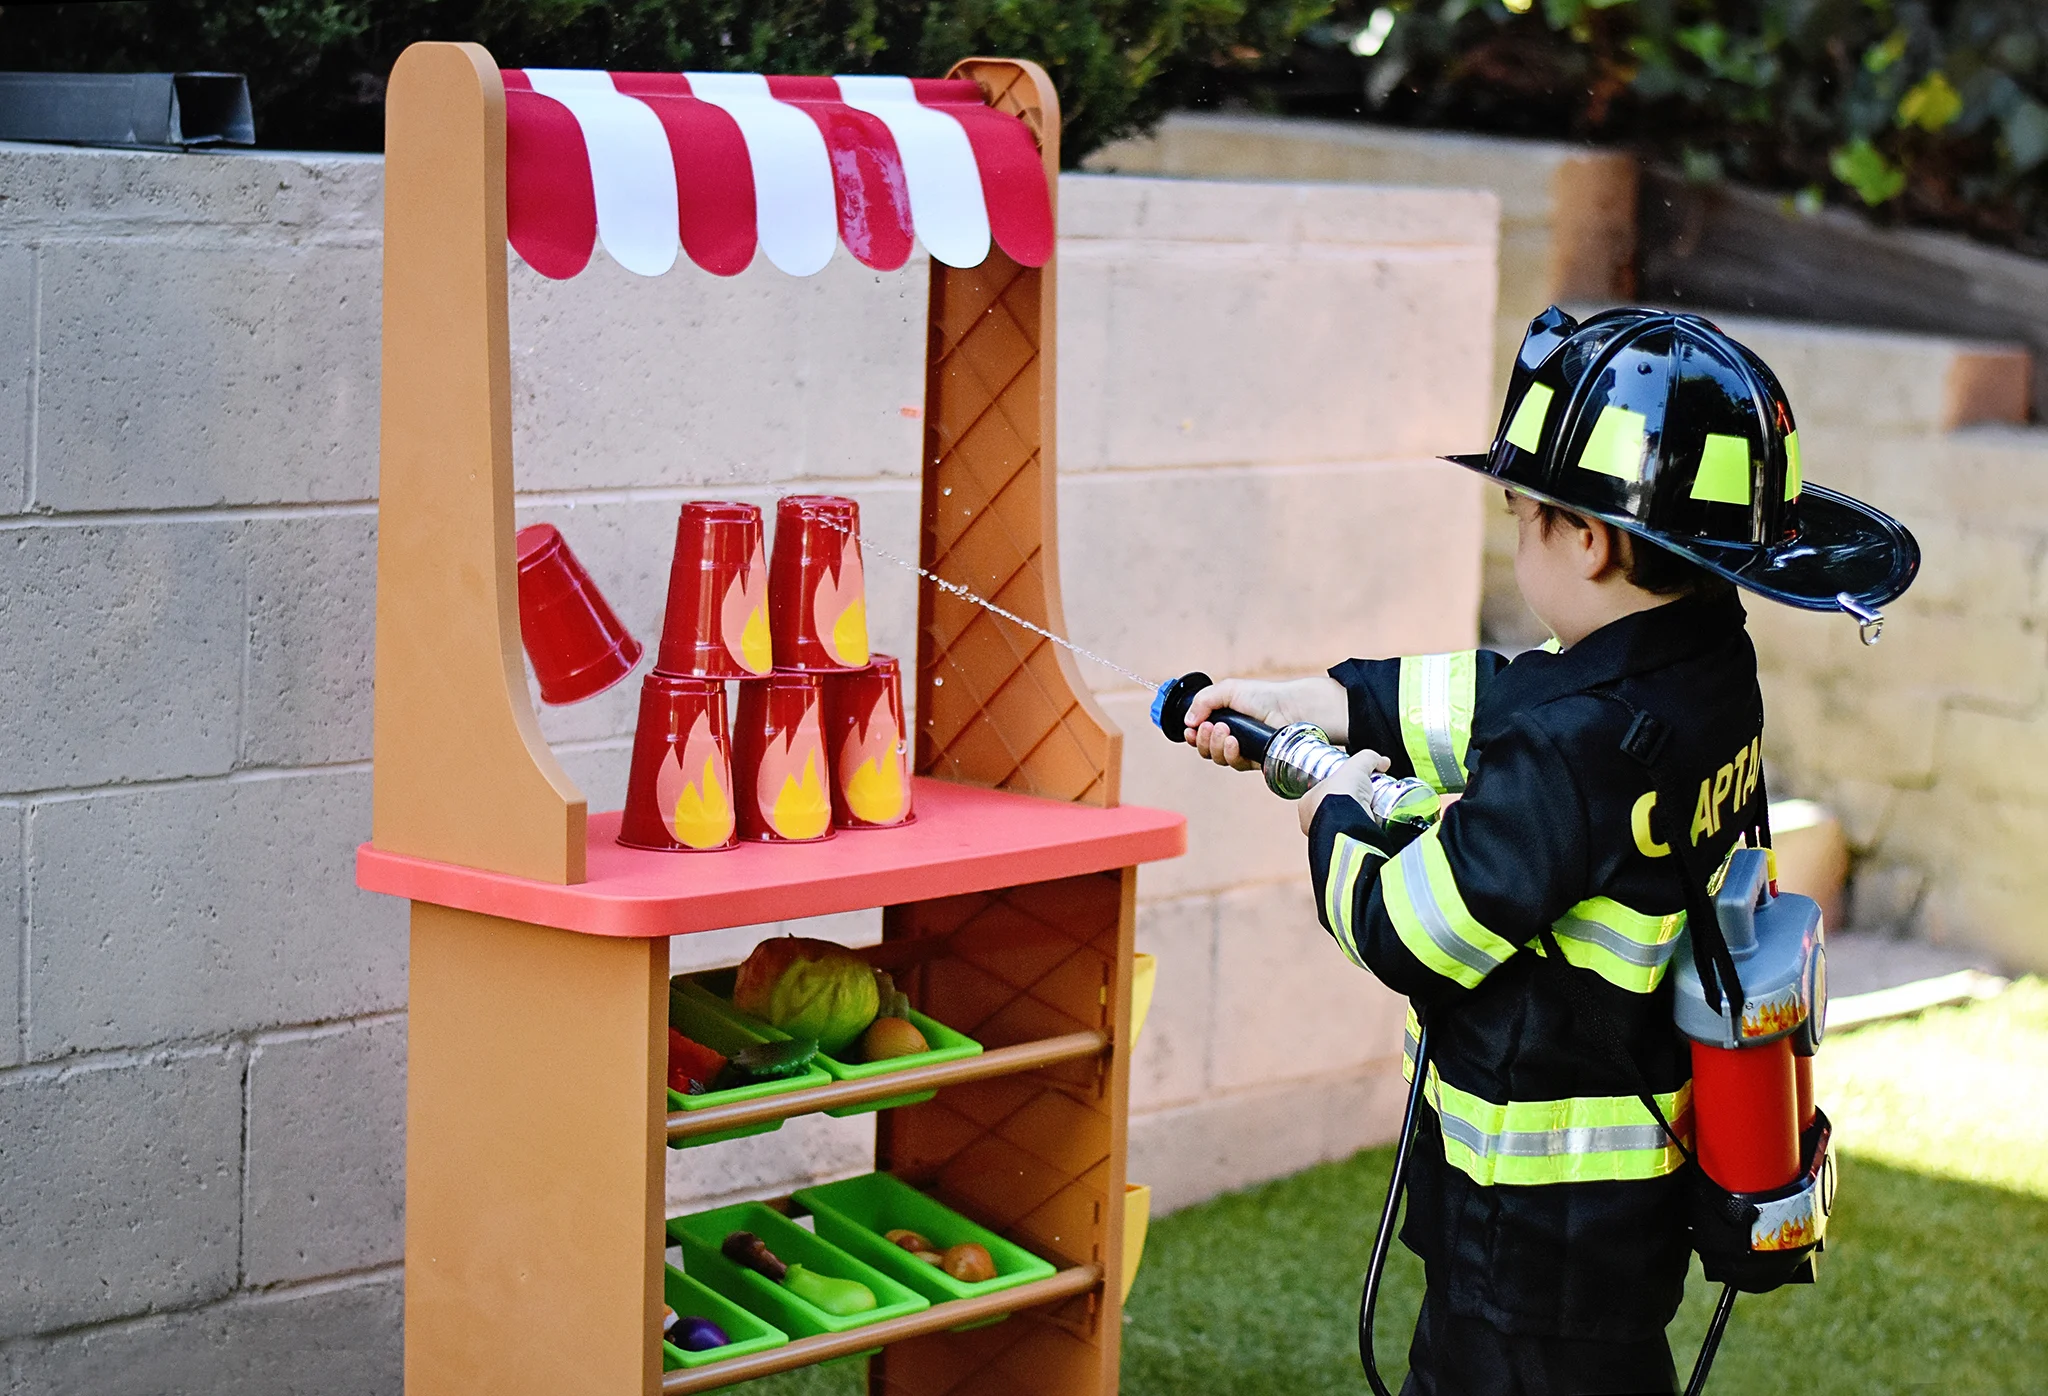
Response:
column 1936, row 1275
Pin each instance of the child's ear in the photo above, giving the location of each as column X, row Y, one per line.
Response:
column 1599, row 549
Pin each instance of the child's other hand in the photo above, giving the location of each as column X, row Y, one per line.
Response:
column 1353, row 778
column 1318, row 700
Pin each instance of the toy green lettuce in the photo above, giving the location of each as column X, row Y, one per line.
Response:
column 809, row 988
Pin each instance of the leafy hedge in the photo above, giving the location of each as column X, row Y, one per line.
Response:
column 317, row 67
column 1932, row 111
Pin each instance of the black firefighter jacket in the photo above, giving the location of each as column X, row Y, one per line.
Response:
column 1544, row 1198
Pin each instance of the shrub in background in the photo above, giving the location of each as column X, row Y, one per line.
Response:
column 1930, row 111
column 317, row 67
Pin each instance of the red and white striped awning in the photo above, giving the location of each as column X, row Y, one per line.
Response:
column 719, row 164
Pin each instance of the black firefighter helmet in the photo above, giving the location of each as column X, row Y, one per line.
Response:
column 1660, row 424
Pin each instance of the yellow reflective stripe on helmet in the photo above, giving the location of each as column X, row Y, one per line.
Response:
column 1724, row 473
column 1436, row 716
column 1350, row 859
column 1526, row 431
column 1582, row 1139
column 1620, row 441
column 1628, row 948
column 1795, row 475
column 1430, row 916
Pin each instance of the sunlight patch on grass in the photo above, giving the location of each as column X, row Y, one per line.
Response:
column 1954, row 1092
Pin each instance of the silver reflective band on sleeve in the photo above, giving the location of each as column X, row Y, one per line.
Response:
column 1436, row 699
column 1349, row 860
column 1421, row 898
column 1436, row 709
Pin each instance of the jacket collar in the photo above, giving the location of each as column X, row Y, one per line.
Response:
column 1635, row 644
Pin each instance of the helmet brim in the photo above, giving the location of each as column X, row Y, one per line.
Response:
column 1844, row 548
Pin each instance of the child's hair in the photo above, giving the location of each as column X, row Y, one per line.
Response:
column 1656, row 570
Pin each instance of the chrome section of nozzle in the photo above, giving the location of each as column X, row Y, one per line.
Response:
column 1301, row 757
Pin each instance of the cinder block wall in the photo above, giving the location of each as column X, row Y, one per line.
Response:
column 201, row 1021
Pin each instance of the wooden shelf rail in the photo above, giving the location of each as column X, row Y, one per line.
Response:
column 997, row 1061
column 806, row 1352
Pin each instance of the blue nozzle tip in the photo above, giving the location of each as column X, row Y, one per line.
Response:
column 1159, row 707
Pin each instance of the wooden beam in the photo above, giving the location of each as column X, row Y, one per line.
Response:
column 462, row 774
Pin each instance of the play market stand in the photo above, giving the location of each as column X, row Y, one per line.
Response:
column 536, row 1116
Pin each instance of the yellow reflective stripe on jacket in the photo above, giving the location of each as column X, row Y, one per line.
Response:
column 1431, row 918
column 1629, row 949
column 1436, row 715
column 1583, row 1139
column 1350, row 859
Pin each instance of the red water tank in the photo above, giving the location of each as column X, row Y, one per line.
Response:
column 1746, row 1115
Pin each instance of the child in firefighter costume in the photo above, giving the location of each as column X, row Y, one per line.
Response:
column 1653, row 468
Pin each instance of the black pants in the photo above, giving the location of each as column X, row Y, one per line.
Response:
column 1453, row 1356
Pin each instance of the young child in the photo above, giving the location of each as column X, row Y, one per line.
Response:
column 1652, row 467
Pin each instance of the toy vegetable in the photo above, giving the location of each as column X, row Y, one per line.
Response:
column 692, row 1066
column 693, row 1334
column 809, row 988
column 837, row 1297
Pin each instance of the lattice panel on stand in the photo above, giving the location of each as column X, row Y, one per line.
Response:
column 1038, row 1156
column 999, row 705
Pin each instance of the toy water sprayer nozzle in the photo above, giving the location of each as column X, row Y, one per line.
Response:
column 1294, row 759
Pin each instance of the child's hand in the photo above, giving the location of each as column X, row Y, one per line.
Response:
column 1319, row 700
column 1353, row 778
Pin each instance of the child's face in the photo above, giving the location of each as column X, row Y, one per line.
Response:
column 1549, row 566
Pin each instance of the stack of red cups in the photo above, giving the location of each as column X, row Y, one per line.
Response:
column 818, row 740
column 679, row 793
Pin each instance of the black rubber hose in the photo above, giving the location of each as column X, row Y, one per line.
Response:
column 1368, row 1302
column 1715, row 1329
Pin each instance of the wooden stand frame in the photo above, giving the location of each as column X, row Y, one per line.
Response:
column 536, row 1119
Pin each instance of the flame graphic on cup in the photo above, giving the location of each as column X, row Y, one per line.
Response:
column 791, row 787
column 698, row 811
column 743, row 617
column 839, row 609
column 871, row 768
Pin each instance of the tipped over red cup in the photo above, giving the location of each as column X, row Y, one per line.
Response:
column 817, row 592
column 716, row 625
column 575, row 642
column 780, row 778
column 679, row 791
column 869, row 746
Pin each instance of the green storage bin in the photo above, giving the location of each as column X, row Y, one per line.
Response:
column 702, row 1234
column 690, row 1298
column 699, row 1017
column 715, row 989
column 855, row 1215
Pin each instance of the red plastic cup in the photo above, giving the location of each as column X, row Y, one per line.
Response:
column 575, row 642
column 778, row 749
column 679, row 792
column 817, row 598
column 870, row 749
column 716, row 625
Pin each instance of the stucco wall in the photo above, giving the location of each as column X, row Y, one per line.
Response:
column 1933, row 746
column 202, row 1022
column 1568, row 232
